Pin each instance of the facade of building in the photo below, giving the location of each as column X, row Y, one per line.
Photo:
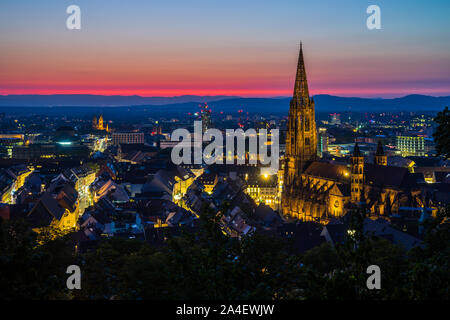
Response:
column 57, row 208
column 323, row 142
column 99, row 124
column 127, row 138
column 8, row 142
column 411, row 145
column 208, row 181
column 316, row 190
column 50, row 151
column 11, row 180
column 206, row 118
column 301, row 135
column 263, row 189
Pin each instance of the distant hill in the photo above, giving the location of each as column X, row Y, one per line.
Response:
column 327, row 103
column 184, row 104
column 86, row 100
column 413, row 102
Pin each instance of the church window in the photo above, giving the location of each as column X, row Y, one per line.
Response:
column 307, row 141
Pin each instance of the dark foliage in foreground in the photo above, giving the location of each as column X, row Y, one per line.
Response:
column 209, row 265
column 442, row 134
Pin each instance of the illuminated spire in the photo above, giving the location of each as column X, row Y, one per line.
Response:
column 301, row 84
column 100, row 122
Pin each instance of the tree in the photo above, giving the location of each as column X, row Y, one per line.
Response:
column 442, row 134
column 339, row 272
column 323, row 258
column 209, row 265
column 205, row 265
column 31, row 269
column 429, row 275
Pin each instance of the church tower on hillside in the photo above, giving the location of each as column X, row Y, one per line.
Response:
column 301, row 136
column 380, row 156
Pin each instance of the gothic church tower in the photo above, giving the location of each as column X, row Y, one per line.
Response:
column 380, row 156
column 357, row 175
column 301, row 136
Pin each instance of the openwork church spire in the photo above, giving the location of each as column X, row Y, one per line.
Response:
column 301, row 84
column 301, row 135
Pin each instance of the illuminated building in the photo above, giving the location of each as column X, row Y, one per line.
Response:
column 8, row 142
column 413, row 145
column 183, row 180
column 301, row 136
column 63, row 144
column 57, row 209
column 61, row 150
column 209, row 181
column 263, row 189
column 335, row 119
column 206, row 118
column 173, row 182
column 12, row 136
column 99, row 124
column 95, row 142
column 127, row 138
column 157, row 129
column 11, row 180
column 356, row 175
column 102, row 188
column 421, row 121
column 323, row 142
column 316, row 190
column 7, row 186
column 82, row 177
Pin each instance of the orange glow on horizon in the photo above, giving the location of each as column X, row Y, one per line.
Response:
column 391, row 92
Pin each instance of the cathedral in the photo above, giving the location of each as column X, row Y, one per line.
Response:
column 98, row 124
column 317, row 190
